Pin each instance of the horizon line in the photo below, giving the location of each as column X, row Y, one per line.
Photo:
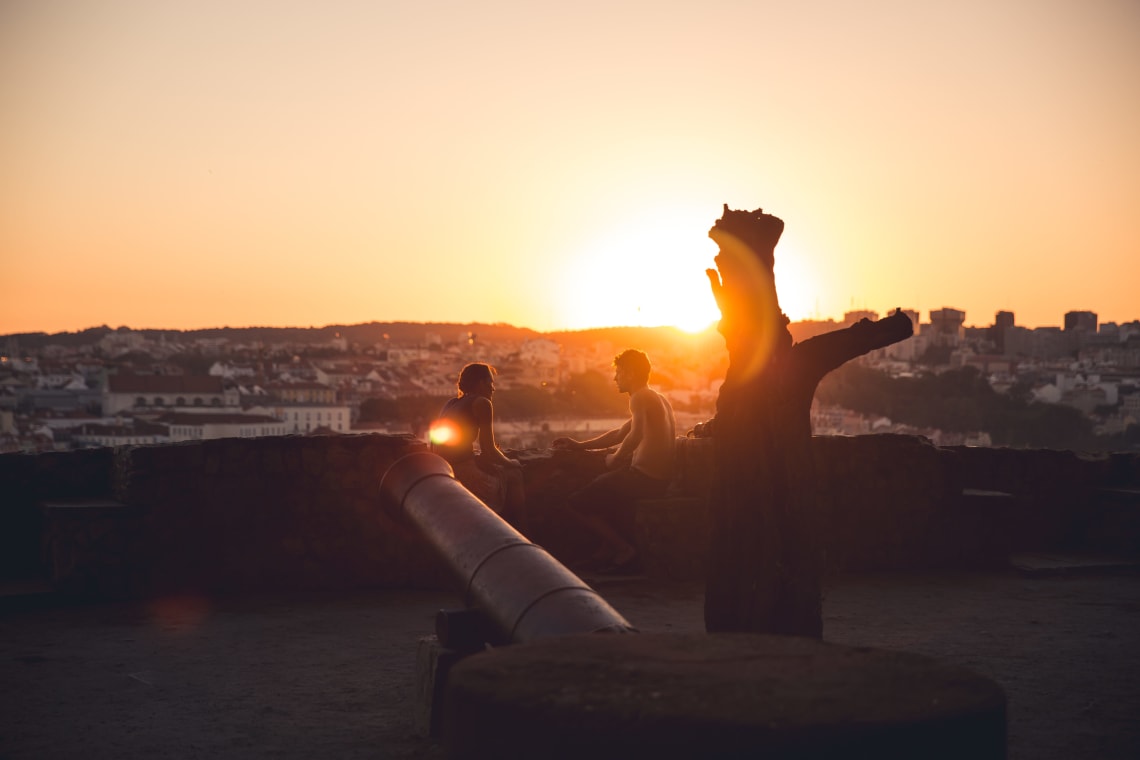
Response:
column 710, row 327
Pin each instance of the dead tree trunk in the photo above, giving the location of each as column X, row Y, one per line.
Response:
column 764, row 560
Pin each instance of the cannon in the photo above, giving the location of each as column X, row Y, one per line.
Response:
column 514, row 590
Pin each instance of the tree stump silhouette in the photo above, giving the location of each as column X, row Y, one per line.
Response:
column 764, row 561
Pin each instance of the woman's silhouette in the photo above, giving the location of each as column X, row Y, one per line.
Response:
column 467, row 420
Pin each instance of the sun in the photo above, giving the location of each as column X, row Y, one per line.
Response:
column 649, row 271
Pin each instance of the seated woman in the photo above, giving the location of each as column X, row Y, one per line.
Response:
column 466, row 420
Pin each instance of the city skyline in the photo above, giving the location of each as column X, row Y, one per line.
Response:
column 187, row 166
column 924, row 318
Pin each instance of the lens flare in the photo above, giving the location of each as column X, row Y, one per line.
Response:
column 443, row 432
column 747, row 300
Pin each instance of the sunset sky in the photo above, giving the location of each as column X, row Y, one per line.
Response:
column 173, row 164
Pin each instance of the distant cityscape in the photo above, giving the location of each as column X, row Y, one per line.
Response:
column 117, row 386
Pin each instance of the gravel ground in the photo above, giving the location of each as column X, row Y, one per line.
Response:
column 332, row 674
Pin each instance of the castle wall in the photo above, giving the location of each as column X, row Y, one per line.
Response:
column 303, row 512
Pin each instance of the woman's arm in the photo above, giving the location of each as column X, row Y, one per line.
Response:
column 485, row 417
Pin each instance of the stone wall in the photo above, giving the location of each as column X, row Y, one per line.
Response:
column 304, row 512
column 218, row 516
column 891, row 502
column 28, row 479
column 289, row 512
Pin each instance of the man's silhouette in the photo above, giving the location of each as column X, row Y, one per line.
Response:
column 640, row 467
column 763, row 570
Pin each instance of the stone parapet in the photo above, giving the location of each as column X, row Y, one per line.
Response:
column 884, row 502
column 300, row 512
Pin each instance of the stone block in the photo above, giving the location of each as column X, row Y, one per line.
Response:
column 722, row 695
column 433, row 665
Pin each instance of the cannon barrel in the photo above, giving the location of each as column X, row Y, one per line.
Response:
column 522, row 591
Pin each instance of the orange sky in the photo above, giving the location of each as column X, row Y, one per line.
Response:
column 176, row 165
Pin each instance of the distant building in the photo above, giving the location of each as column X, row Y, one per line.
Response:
column 1046, row 343
column 57, row 399
column 1003, row 320
column 995, row 367
column 122, row 341
column 130, row 433
column 1080, row 320
column 947, row 326
column 851, row 317
column 905, row 350
column 191, row 426
column 302, row 393
column 306, row 418
column 134, row 392
column 540, row 362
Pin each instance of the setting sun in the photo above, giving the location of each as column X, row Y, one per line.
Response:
column 646, row 272
column 515, row 178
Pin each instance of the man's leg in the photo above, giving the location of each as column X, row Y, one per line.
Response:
column 595, row 507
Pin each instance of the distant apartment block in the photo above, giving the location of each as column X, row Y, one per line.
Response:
column 1080, row 320
column 539, row 363
column 125, row 392
column 302, row 393
column 947, row 326
column 306, row 418
column 194, row 426
column 851, row 317
column 128, row 433
column 1003, row 321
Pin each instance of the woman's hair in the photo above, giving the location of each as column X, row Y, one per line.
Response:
column 635, row 362
column 473, row 374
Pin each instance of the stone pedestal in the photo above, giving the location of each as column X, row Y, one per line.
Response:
column 723, row 695
column 433, row 663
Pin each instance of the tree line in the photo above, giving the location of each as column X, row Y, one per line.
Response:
column 956, row 401
column 962, row 401
column 589, row 394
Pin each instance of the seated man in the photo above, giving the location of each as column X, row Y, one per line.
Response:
column 640, row 467
column 466, row 420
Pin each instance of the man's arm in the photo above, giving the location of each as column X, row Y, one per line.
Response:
column 603, row 441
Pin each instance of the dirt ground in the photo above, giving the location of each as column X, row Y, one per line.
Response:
column 331, row 675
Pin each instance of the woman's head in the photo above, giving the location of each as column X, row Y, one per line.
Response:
column 473, row 375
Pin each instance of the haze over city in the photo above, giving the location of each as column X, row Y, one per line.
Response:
column 187, row 165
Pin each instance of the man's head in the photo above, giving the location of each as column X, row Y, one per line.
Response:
column 473, row 377
column 631, row 370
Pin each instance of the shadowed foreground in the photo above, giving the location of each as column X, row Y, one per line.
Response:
column 331, row 675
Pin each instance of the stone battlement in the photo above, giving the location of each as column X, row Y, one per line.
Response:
column 304, row 512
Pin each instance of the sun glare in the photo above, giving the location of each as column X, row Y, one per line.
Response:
column 443, row 432
column 647, row 272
